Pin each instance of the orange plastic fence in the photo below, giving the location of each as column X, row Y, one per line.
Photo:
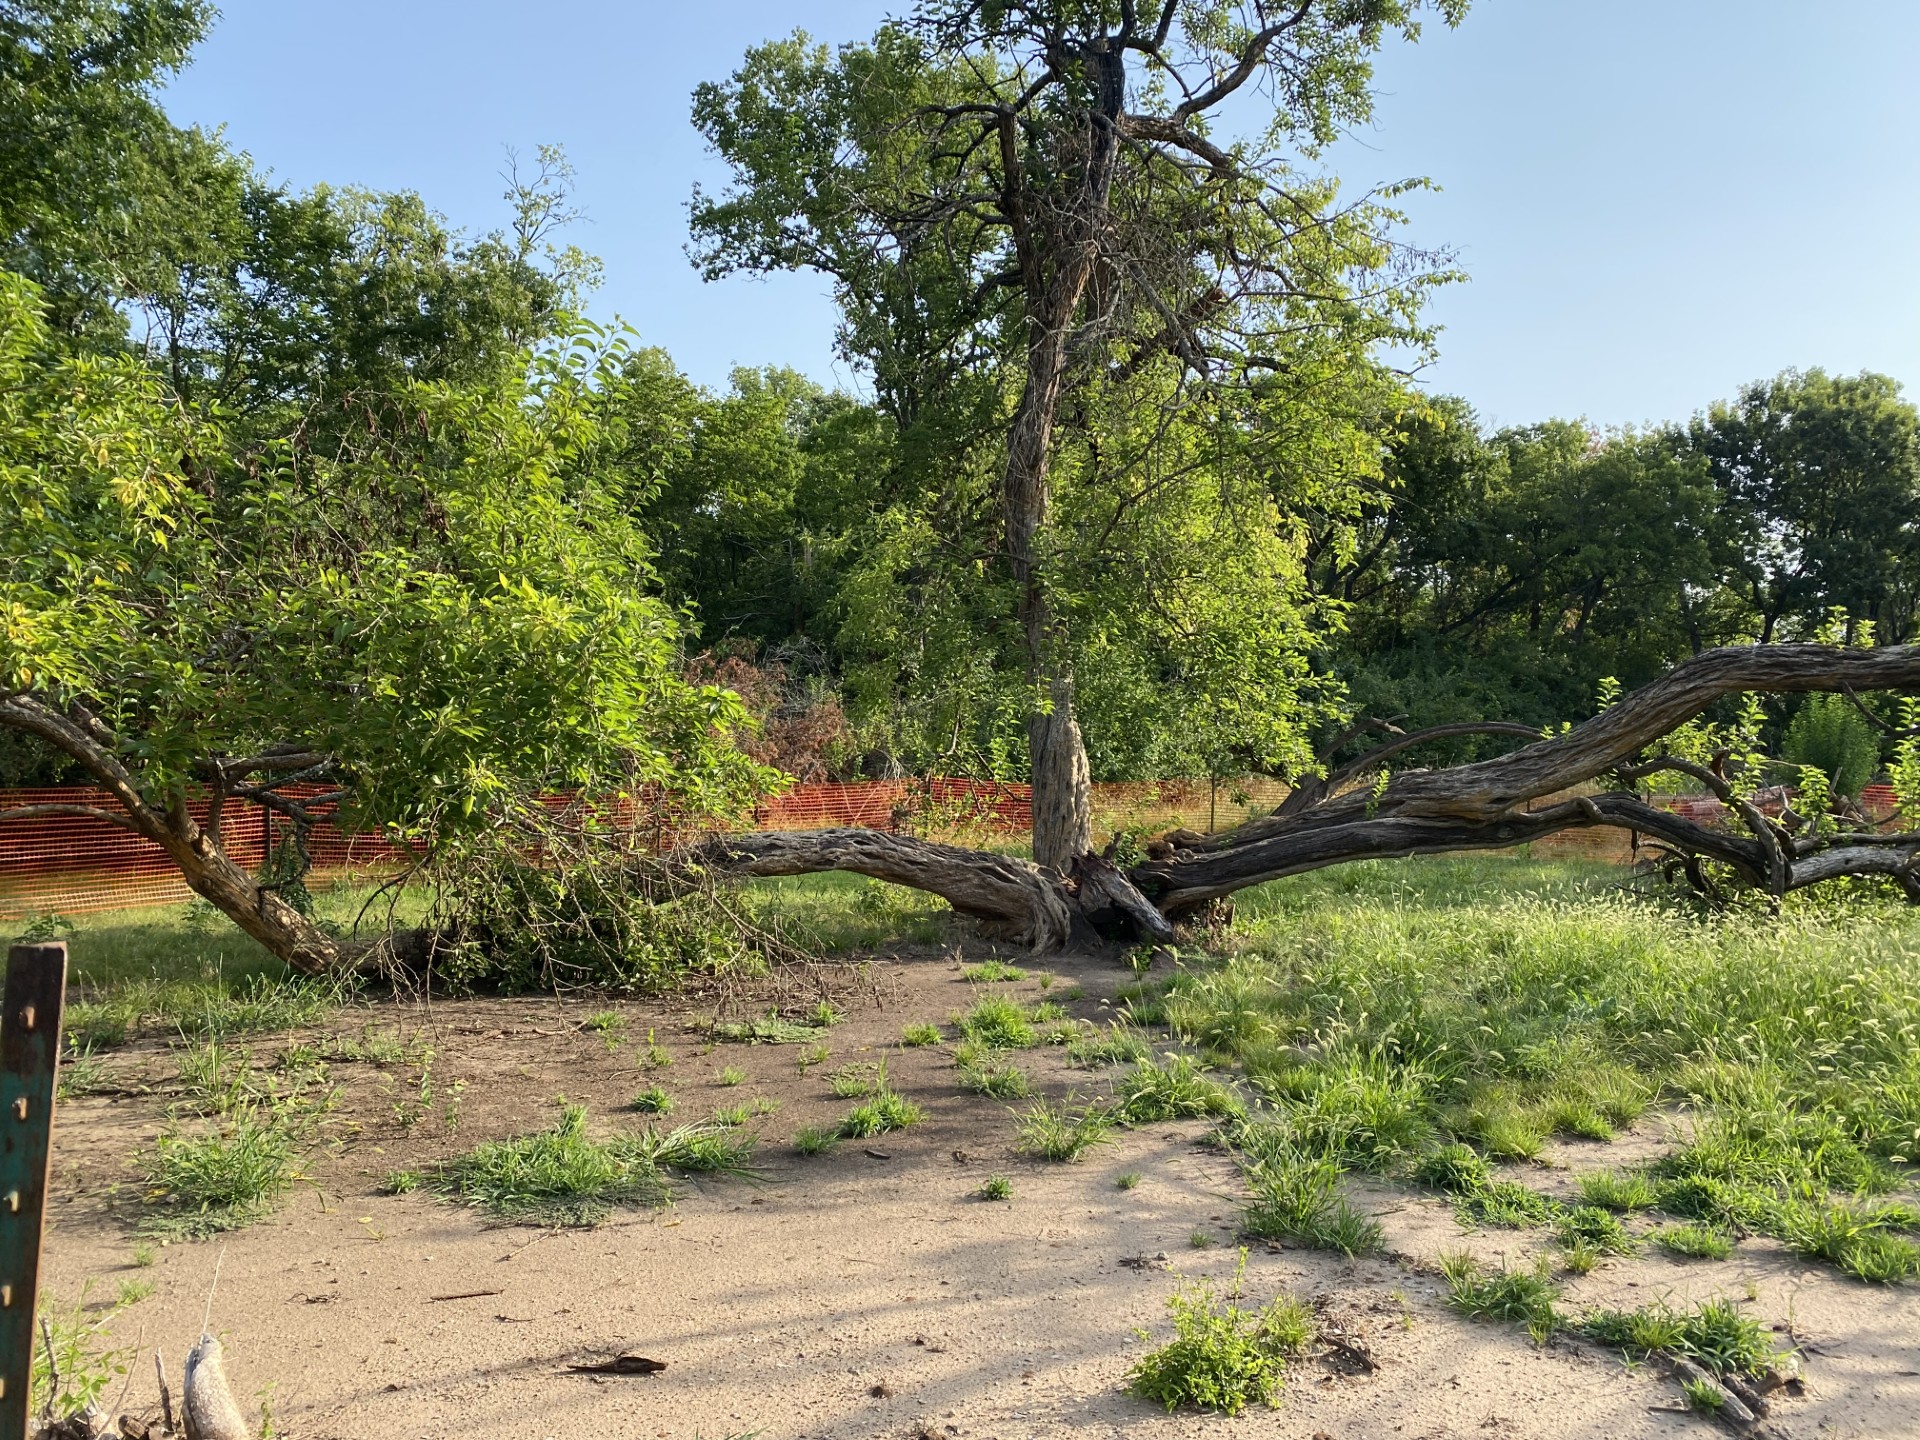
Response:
column 74, row 864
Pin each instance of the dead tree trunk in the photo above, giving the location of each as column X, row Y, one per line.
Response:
column 1417, row 812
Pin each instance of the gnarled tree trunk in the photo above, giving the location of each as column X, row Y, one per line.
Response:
column 1417, row 812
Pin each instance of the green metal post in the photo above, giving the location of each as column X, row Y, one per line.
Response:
column 29, row 1060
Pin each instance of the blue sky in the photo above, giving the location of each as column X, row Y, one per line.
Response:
column 1656, row 199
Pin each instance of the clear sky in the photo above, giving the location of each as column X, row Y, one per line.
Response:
column 1656, row 199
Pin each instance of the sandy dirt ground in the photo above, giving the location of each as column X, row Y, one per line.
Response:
column 866, row 1292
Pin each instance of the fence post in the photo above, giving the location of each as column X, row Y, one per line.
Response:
column 29, row 1061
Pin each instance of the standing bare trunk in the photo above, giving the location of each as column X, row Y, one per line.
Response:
column 1062, row 812
column 1062, row 783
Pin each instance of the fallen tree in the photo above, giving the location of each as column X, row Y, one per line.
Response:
column 1481, row 805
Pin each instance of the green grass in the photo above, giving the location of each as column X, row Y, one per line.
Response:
column 652, row 1101
column 732, row 1075
column 1522, row 1297
column 1222, row 1357
column 1119, row 1044
column 999, row 1079
column 1420, row 1018
column 989, row 972
column 1173, row 1088
column 996, row 1187
column 919, row 1036
column 1714, row 1334
column 1623, row 1190
column 1596, row 1231
column 851, row 1082
column 815, row 1139
column 200, row 1182
column 769, row 1029
column 1297, row 1198
column 1698, row 1242
column 997, row 1022
column 564, row 1176
column 1063, row 1132
column 884, row 1111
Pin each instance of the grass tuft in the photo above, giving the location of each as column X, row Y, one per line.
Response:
column 1523, row 1297
column 1063, row 1132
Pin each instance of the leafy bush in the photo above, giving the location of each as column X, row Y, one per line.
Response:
column 1222, row 1357
column 1830, row 734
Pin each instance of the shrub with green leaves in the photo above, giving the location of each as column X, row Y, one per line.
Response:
column 1222, row 1357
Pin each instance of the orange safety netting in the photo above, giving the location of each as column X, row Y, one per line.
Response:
column 73, row 864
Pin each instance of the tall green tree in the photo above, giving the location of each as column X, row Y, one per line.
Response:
column 1821, row 473
column 1050, row 171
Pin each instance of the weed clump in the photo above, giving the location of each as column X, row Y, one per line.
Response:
column 1119, row 1044
column 1000, row 1079
column 1623, row 1190
column 1595, row 1229
column 199, row 1184
column 1297, row 1197
column 884, row 1111
column 989, row 972
column 1699, row 1242
column 1523, row 1297
column 997, row 1023
column 1222, row 1357
column 1714, row 1334
column 651, row 1101
column 1175, row 1088
column 562, row 1176
column 1063, row 1132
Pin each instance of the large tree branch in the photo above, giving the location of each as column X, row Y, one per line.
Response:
column 88, row 812
column 1250, row 58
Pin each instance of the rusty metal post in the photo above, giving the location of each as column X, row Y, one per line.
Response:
column 29, row 1062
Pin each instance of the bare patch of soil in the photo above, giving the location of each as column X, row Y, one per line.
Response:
column 866, row 1292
